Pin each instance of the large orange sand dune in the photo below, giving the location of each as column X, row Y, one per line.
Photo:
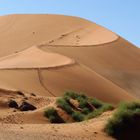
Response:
column 50, row 54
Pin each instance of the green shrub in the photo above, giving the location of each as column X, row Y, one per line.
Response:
column 85, row 111
column 74, row 95
column 71, row 94
column 88, row 107
column 96, row 103
column 94, row 114
column 82, row 96
column 105, row 107
column 66, row 98
column 49, row 112
column 83, row 103
column 53, row 116
column 127, row 116
column 77, row 116
column 62, row 103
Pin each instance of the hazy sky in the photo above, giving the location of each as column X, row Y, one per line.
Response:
column 120, row 16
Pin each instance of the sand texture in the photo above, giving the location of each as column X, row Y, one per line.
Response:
column 45, row 55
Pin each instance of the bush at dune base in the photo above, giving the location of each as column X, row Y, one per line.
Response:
column 124, row 121
column 53, row 116
column 88, row 107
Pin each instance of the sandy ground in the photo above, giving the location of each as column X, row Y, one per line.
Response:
column 32, row 125
column 88, row 130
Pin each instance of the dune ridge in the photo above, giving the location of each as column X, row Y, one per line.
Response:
column 122, row 69
column 33, row 32
column 39, row 59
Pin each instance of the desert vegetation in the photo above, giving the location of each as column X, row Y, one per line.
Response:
column 78, row 106
column 53, row 116
column 125, row 122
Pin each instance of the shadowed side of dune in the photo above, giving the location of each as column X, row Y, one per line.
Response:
column 117, row 61
column 80, row 78
column 54, row 82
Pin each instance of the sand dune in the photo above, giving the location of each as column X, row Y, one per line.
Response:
column 117, row 61
column 24, row 80
column 50, row 54
column 12, row 115
column 54, row 82
column 18, row 32
column 80, row 78
column 90, row 35
column 34, row 58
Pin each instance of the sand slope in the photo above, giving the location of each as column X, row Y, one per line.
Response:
column 118, row 61
column 18, row 32
column 24, row 80
column 50, row 54
column 54, row 82
column 89, row 130
column 82, row 79
column 34, row 58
